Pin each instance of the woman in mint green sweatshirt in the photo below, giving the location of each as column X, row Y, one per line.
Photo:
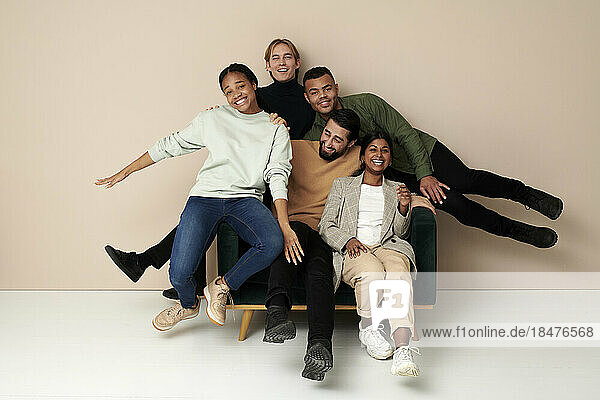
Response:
column 245, row 150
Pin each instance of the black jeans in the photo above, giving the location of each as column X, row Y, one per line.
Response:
column 161, row 252
column 449, row 169
column 316, row 270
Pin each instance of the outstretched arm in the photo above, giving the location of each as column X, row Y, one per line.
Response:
column 142, row 162
column 176, row 144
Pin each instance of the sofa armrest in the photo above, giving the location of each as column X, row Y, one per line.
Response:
column 423, row 240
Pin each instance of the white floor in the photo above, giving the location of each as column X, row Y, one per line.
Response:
column 101, row 345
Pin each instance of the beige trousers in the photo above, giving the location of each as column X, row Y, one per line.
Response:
column 378, row 264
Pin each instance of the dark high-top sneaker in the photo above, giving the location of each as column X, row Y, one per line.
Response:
column 317, row 361
column 537, row 236
column 542, row 202
column 129, row 263
column 277, row 325
column 172, row 294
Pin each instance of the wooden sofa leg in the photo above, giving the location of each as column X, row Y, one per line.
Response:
column 246, row 318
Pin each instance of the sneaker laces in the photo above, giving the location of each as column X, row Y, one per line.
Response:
column 222, row 297
column 375, row 336
column 278, row 315
column 174, row 312
column 533, row 198
column 371, row 331
column 405, row 353
column 128, row 257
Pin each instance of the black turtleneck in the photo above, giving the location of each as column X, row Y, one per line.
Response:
column 287, row 100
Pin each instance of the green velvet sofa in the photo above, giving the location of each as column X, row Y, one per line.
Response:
column 251, row 296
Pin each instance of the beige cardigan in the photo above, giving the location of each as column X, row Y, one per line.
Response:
column 340, row 218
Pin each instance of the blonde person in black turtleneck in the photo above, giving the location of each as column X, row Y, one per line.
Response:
column 285, row 96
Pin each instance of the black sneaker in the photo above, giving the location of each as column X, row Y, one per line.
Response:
column 277, row 325
column 129, row 263
column 171, row 294
column 317, row 361
column 542, row 202
column 537, row 236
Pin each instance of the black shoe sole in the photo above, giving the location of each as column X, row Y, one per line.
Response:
column 280, row 333
column 113, row 256
column 546, row 244
column 557, row 214
column 553, row 242
column 313, row 375
column 316, row 367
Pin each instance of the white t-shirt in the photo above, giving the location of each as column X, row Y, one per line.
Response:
column 245, row 151
column 370, row 214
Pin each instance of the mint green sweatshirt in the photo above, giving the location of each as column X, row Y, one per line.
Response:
column 245, row 151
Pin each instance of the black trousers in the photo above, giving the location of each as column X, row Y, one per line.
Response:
column 316, row 270
column 449, row 169
column 160, row 253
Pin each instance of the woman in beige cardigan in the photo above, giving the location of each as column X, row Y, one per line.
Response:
column 365, row 220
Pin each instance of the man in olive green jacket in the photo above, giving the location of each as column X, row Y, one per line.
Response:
column 420, row 160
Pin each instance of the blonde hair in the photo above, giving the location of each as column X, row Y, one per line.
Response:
column 275, row 42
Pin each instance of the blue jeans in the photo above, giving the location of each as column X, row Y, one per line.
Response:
column 248, row 217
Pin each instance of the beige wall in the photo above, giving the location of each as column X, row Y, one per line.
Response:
column 87, row 86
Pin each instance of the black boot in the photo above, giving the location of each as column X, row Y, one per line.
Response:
column 277, row 325
column 317, row 361
column 537, row 236
column 129, row 263
column 541, row 202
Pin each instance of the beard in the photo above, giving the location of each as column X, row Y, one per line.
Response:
column 328, row 156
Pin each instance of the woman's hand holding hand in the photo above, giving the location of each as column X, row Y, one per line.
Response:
column 354, row 247
column 291, row 246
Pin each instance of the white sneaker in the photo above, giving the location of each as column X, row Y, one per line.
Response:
column 403, row 363
column 375, row 342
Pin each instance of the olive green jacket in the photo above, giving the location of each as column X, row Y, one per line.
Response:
column 411, row 147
